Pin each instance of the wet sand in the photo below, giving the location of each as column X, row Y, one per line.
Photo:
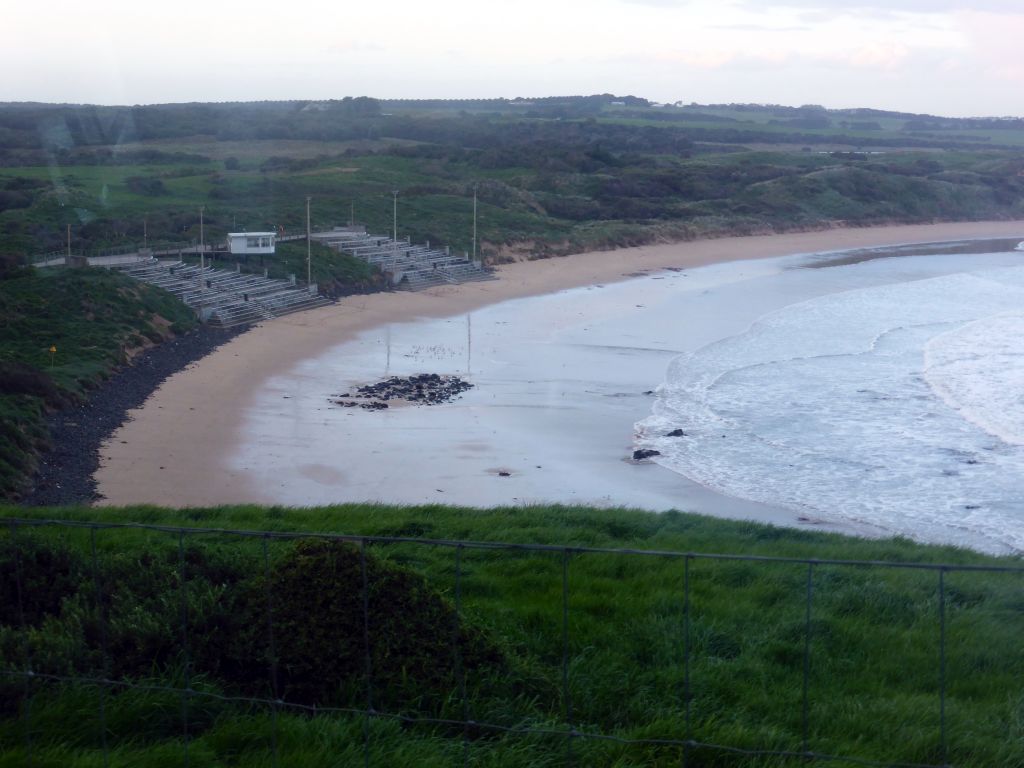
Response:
column 183, row 447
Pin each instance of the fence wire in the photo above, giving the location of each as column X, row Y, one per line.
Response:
column 569, row 730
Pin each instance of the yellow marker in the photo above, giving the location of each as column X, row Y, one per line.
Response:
column 53, row 351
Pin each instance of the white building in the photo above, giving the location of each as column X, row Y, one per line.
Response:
column 251, row 243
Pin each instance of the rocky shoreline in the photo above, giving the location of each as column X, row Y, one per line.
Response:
column 66, row 472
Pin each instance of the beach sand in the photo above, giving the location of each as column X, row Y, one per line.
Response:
column 181, row 448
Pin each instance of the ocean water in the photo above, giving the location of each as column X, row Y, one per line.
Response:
column 898, row 405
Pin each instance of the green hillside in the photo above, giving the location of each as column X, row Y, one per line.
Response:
column 552, row 175
column 93, row 320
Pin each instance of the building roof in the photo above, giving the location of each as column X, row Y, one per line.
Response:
column 252, row 234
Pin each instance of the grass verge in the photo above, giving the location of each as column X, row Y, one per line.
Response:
column 604, row 642
column 93, row 321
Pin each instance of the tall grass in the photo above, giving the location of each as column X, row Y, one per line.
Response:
column 628, row 652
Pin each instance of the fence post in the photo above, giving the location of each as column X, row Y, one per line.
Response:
column 807, row 658
column 942, row 666
column 26, row 707
column 460, row 671
column 104, row 652
column 565, row 658
column 185, row 694
column 367, row 661
column 686, row 658
column 272, row 649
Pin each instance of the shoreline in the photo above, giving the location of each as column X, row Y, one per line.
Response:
column 174, row 450
column 66, row 473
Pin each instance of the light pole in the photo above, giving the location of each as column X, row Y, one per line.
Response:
column 394, row 215
column 309, row 246
column 202, row 257
column 474, row 222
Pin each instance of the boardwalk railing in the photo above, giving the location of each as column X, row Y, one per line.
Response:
column 708, row 681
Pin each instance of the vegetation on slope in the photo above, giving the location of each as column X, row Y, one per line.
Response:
column 94, row 320
column 873, row 649
column 336, row 274
column 553, row 176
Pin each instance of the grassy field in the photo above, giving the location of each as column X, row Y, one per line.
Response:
column 551, row 180
column 607, row 643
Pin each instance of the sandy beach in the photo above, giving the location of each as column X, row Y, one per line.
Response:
column 181, row 447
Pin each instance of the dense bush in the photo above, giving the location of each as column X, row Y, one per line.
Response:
column 35, row 578
column 217, row 608
column 320, row 628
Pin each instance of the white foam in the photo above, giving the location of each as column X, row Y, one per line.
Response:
column 978, row 370
column 900, row 406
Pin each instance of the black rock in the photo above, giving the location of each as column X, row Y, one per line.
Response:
column 644, row 453
column 676, row 433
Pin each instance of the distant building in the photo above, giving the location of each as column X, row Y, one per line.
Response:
column 251, row 243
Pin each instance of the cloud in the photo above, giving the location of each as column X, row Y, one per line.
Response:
column 833, row 7
column 995, row 42
column 759, row 28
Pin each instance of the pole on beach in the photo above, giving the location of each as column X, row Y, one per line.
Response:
column 145, row 231
column 474, row 222
column 309, row 240
column 469, row 343
column 69, row 244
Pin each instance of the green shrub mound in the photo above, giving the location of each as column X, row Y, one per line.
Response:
column 123, row 617
column 323, row 631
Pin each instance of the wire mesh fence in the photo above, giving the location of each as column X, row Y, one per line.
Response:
column 571, row 655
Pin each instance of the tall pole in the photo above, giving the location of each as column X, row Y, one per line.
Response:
column 202, row 257
column 145, row 231
column 474, row 222
column 309, row 246
column 394, row 214
column 352, row 213
column 69, row 244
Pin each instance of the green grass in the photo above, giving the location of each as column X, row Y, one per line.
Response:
column 564, row 193
column 873, row 684
column 92, row 319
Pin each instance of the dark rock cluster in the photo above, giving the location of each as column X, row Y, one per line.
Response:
column 644, row 453
column 421, row 389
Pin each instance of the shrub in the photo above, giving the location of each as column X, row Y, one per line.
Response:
column 316, row 596
column 35, row 578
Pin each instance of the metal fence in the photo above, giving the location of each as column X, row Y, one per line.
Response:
column 571, row 729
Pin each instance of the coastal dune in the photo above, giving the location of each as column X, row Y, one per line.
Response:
column 182, row 447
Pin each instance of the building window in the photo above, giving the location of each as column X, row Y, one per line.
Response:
column 252, row 242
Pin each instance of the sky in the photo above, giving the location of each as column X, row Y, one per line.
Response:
column 934, row 56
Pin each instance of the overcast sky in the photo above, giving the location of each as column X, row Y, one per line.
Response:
column 932, row 56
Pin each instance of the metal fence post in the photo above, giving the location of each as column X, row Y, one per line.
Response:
column 104, row 652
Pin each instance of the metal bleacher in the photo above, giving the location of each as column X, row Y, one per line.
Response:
column 410, row 267
column 223, row 297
